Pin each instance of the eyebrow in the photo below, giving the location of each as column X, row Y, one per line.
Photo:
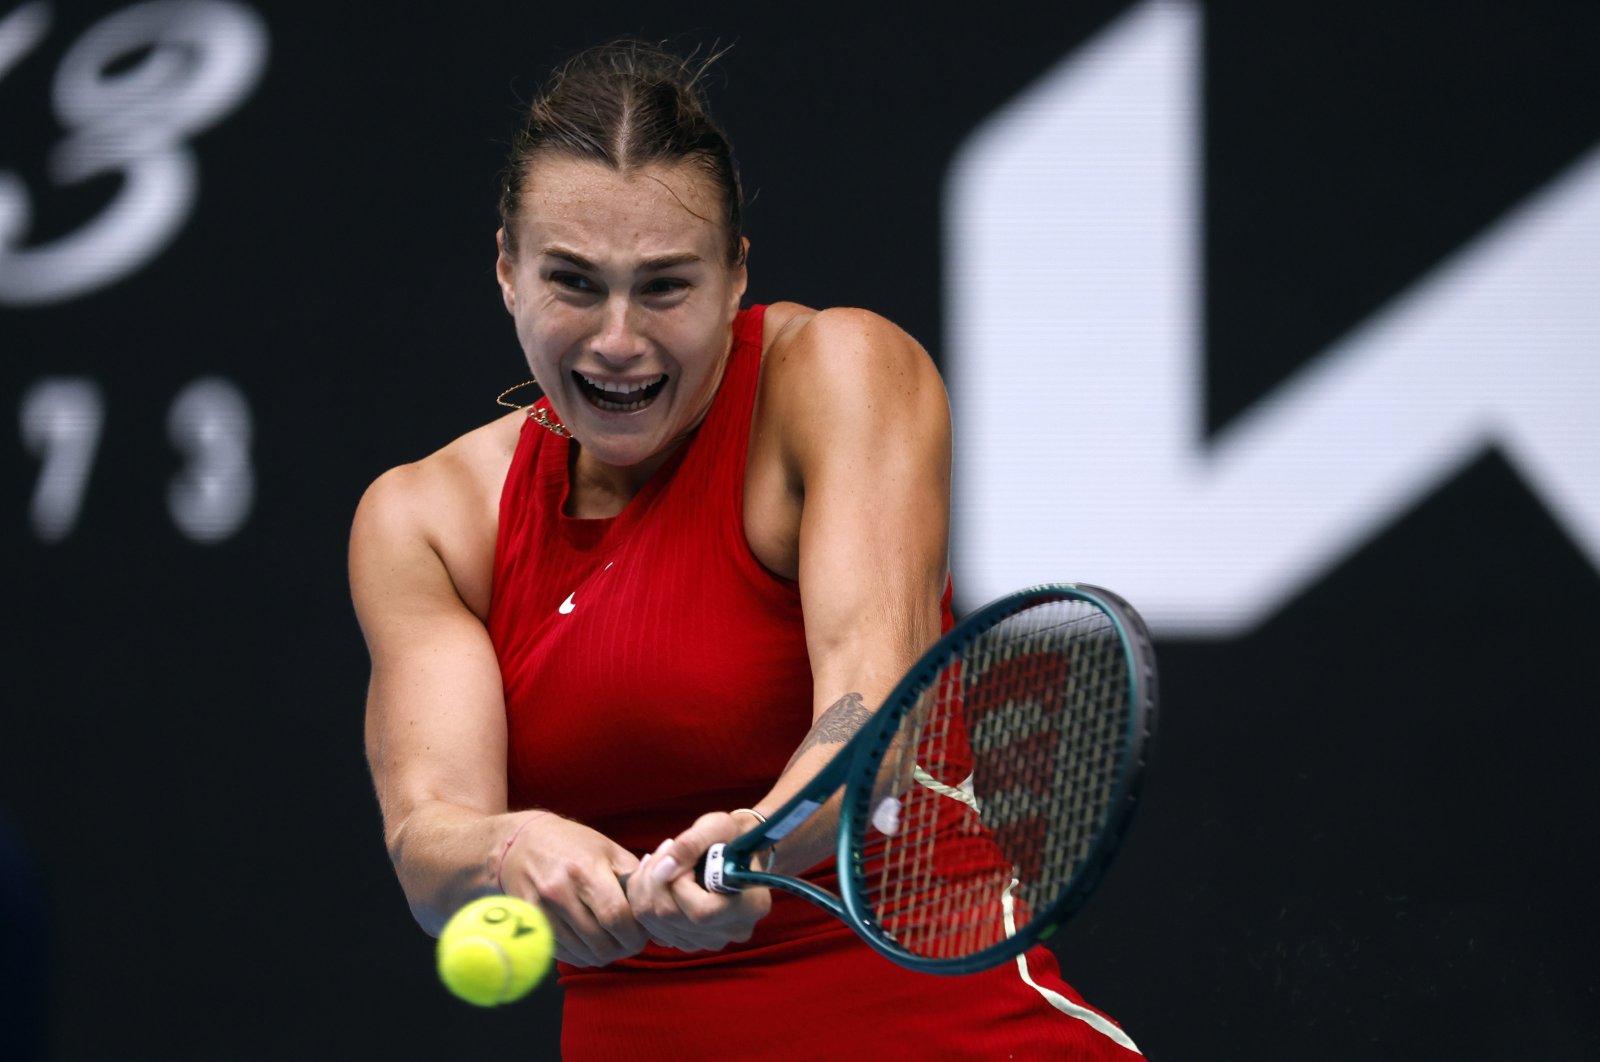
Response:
column 649, row 265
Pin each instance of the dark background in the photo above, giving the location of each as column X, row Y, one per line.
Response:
column 1370, row 828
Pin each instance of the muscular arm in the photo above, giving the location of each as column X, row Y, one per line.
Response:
column 436, row 734
column 874, row 531
column 861, row 436
column 435, row 728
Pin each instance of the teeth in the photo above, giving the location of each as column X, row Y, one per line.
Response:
column 616, row 387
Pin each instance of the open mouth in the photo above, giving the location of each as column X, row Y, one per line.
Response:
column 619, row 396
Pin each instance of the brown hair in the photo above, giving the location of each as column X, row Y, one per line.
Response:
column 627, row 104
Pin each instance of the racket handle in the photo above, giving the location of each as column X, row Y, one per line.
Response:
column 710, row 869
column 702, row 871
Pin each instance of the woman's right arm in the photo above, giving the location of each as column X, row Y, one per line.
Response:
column 436, row 736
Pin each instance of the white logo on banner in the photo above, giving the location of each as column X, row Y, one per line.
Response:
column 1076, row 361
column 209, row 424
column 196, row 60
column 62, row 420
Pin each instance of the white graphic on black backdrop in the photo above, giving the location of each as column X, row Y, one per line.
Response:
column 1076, row 367
column 128, row 94
column 62, row 420
column 209, row 425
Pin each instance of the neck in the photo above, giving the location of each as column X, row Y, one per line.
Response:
column 597, row 490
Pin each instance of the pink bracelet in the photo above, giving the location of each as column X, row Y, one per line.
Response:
column 499, row 870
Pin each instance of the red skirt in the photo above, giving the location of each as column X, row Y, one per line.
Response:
column 826, row 996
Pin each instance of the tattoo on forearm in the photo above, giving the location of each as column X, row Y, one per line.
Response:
column 837, row 725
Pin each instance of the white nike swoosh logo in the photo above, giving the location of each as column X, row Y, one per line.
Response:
column 567, row 605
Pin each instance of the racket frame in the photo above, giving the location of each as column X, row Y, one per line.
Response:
column 855, row 770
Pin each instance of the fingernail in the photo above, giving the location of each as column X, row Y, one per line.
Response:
column 664, row 868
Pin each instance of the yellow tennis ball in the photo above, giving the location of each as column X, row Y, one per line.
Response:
column 494, row 950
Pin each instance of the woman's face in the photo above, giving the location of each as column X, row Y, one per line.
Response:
column 623, row 299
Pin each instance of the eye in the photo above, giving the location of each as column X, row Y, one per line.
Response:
column 571, row 281
column 665, row 286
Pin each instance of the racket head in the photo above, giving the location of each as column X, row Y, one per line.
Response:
column 998, row 786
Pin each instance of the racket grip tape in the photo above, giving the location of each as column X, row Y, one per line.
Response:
column 703, row 871
column 711, row 871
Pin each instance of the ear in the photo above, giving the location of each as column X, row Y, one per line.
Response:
column 741, row 273
column 505, row 270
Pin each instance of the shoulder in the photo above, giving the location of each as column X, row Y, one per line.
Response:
column 841, row 339
column 850, row 412
column 826, row 366
column 442, row 509
column 422, row 492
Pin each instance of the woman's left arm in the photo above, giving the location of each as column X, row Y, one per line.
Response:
column 870, row 431
column 862, row 427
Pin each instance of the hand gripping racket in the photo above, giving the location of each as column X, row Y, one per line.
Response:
column 985, row 798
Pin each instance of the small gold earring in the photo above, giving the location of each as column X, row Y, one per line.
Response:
column 539, row 414
column 544, row 420
column 500, row 399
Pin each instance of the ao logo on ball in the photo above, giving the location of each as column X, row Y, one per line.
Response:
column 495, row 950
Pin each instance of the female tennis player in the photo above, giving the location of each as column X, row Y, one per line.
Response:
column 628, row 621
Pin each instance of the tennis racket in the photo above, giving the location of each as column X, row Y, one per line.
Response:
column 986, row 797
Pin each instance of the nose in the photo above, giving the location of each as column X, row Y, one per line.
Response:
column 620, row 339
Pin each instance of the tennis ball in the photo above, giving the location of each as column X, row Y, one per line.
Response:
column 494, row 950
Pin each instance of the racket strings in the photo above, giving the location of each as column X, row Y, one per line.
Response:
column 1004, row 772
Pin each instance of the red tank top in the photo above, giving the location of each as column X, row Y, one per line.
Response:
column 654, row 671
